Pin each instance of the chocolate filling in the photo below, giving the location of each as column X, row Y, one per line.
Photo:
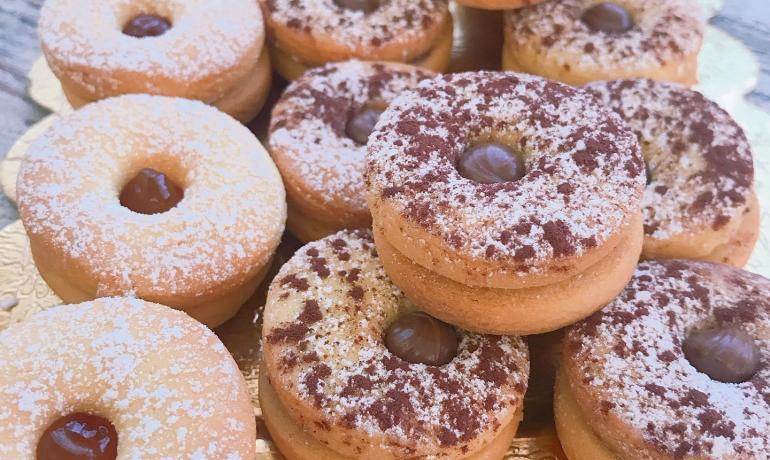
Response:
column 146, row 25
column 419, row 338
column 608, row 17
column 727, row 354
column 79, row 436
column 490, row 163
column 150, row 192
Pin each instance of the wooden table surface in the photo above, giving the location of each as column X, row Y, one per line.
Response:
column 749, row 20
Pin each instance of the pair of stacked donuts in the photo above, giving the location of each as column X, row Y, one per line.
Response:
column 499, row 202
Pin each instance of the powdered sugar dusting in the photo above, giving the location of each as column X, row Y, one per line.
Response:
column 393, row 22
column 325, row 319
column 630, row 358
column 152, row 371
column 207, row 41
column 226, row 226
column 307, row 126
column 665, row 31
column 699, row 161
column 585, row 173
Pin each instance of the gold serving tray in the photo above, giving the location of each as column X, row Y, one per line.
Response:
column 728, row 71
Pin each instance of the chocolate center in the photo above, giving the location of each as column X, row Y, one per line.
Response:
column 150, row 192
column 490, row 163
column 367, row 6
column 648, row 172
column 361, row 123
column 146, row 25
column 608, row 17
column 727, row 355
column 419, row 338
column 79, row 436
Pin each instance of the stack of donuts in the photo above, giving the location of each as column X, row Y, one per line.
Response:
column 446, row 217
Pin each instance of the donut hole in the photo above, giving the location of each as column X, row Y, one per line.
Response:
column 608, row 17
column 726, row 354
column 419, row 338
column 364, row 6
column 153, row 186
column 490, row 161
column 361, row 121
column 78, row 435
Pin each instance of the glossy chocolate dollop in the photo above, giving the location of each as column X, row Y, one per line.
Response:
column 361, row 123
column 726, row 354
column 150, row 192
column 608, row 17
column 79, row 436
column 367, row 6
column 490, row 163
column 146, row 25
column 419, row 338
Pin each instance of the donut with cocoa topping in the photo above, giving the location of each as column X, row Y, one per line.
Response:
column 578, row 41
column 165, row 199
column 308, row 33
column 197, row 49
column 675, row 368
column 120, row 378
column 317, row 138
column 699, row 202
column 351, row 369
column 497, row 198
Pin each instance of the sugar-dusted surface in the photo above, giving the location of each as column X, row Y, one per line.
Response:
column 585, row 172
column 208, row 39
column 164, row 380
column 226, row 226
column 325, row 319
column 393, row 22
column 307, row 133
column 699, row 160
column 664, row 31
column 630, row 359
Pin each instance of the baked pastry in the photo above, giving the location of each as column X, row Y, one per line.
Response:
column 352, row 370
column 578, row 41
column 120, row 377
column 196, row 49
column 699, row 202
column 498, row 197
column 165, row 199
column 674, row 368
column 309, row 33
column 317, row 138
column 498, row 4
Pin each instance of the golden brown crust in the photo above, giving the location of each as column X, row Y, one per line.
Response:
column 522, row 311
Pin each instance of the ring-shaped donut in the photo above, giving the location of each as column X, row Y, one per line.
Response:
column 206, row 255
column 626, row 388
column 321, row 165
column 310, row 33
column 699, row 202
column 333, row 376
column 551, row 40
column 163, row 380
column 213, row 52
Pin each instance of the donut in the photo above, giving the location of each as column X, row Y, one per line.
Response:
column 498, row 4
column 317, row 138
column 120, row 378
column 699, row 202
column 579, row 41
column 353, row 370
column 165, row 199
column 498, row 197
column 675, row 367
column 308, row 33
column 196, row 49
